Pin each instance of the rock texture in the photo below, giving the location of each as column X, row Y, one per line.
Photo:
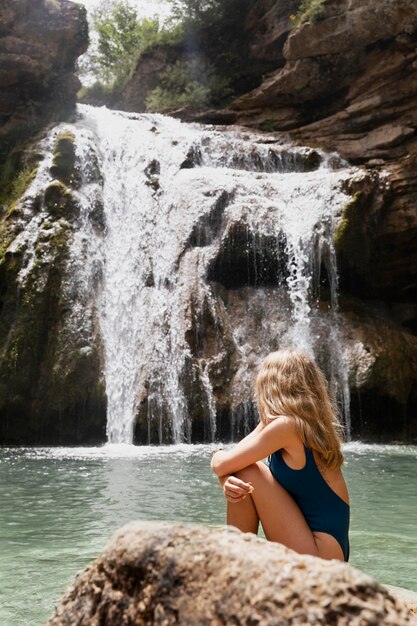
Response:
column 40, row 41
column 349, row 83
column 177, row 574
column 51, row 386
column 409, row 598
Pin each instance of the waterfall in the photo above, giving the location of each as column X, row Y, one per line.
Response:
column 193, row 218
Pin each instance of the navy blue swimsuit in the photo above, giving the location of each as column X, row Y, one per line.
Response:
column 322, row 508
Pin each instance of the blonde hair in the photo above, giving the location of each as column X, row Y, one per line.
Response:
column 290, row 383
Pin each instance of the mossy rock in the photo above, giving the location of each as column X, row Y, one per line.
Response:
column 310, row 160
column 51, row 389
column 64, row 161
column 18, row 171
column 350, row 239
column 59, row 201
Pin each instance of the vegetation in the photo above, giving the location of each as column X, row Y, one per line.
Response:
column 309, row 11
column 197, row 13
column 118, row 41
column 190, row 83
column 198, row 29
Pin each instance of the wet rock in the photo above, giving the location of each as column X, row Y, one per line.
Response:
column 187, row 574
column 64, row 160
column 381, row 359
column 59, row 201
column 192, row 159
column 51, row 386
column 153, row 168
column 247, row 257
column 209, row 224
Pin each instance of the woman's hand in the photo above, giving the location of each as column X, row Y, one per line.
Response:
column 235, row 489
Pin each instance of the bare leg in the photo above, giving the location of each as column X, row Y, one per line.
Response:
column 279, row 514
column 243, row 515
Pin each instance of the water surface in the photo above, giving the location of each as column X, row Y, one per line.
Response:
column 60, row 506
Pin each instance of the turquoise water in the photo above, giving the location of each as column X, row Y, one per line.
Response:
column 59, row 507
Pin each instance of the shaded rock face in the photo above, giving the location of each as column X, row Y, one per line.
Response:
column 51, row 386
column 382, row 365
column 177, row 574
column 40, row 41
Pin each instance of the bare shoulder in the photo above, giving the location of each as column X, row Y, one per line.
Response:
column 284, row 425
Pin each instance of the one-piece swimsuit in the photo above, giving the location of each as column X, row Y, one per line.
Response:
column 322, row 508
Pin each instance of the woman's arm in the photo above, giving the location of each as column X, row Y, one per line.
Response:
column 278, row 434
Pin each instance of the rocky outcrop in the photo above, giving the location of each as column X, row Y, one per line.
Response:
column 381, row 359
column 349, row 83
column 187, row 574
column 51, row 385
column 40, row 41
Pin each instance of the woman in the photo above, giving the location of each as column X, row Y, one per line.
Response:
column 301, row 499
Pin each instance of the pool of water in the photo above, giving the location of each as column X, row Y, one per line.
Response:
column 59, row 506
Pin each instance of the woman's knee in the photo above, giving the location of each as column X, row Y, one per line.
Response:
column 249, row 473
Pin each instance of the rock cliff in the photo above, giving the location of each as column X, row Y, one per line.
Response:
column 179, row 574
column 51, row 387
column 40, row 41
column 349, row 83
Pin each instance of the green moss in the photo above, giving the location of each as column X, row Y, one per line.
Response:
column 350, row 237
column 64, row 160
column 12, row 190
column 348, row 213
column 59, row 201
column 28, row 313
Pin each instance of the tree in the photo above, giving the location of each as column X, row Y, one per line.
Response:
column 120, row 39
column 196, row 12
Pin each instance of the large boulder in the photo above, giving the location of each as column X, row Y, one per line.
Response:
column 167, row 574
column 40, row 41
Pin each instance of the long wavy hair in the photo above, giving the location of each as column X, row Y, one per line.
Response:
column 290, row 383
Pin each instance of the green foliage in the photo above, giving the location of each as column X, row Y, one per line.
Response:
column 196, row 12
column 187, row 83
column 118, row 40
column 308, row 11
column 199, row 29
column 120, row 37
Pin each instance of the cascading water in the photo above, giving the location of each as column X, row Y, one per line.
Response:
column 172, row 196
